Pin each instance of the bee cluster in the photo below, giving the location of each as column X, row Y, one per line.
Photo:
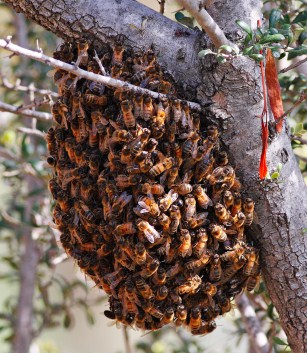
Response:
column 145, row 200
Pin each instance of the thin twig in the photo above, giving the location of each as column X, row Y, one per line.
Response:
column 206, row 22
column 128, row 348
column 6, row 44
column 292, row 66
column 18, row 87
column 297, row 138
column 102, row 69
column 31, row 132
column 162, row 6
column 303, row 96
column 5, row 153
column 4, row 107
column 252, row 325
column 35, row 103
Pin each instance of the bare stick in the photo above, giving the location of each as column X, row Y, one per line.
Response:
column 17, row 87
column 31, row 132
column 5, row 153
column 252, row 325
column 292, row 66
column 162, row 6
column 303, row 96
column 6, row 44
column 103, row 71
column 126, row 340
column 35, row 103
column 206, row 22
column 4, row 107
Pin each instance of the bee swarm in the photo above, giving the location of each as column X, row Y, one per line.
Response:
column 145, row 200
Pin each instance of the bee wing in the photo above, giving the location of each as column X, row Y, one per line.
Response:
column 174, row 197
column 154, row 232
column 150, row 237
column 144, row 207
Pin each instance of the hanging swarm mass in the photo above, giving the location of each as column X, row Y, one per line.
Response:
column 145, row 200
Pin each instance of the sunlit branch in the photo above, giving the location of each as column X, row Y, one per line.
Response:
column 206, row 22
column 108, row 81
column 4, row 107
column 252, row 324
column 18, row 87
column 31, row 132
column 292, row 66
column 303, row 97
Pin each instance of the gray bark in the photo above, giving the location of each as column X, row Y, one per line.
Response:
column 235, row 90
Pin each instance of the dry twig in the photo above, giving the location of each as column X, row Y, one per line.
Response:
column 4, row 107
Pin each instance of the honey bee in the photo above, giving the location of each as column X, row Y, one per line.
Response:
column 195, row 319
column 168, row 316
column 159, row 276
column 175, row 217
column 199, row 263
column 149, row 231
column 128, row 116
column 203, row 168
column 212, row 131
column 252, row 282
column 190, row 207
column 222, row 214
column 116, row 70
column 228, row 199
column 63, row 201
column 161, row 293
column 149, row 58
column 200, row 246
column 152, row 189
column 248, row 209
column 118, row 53
column 149, row 206
column 140, row 320
column 222, row 159
column 125, row 229
column 124, row 181
column 148, row 108
column 143, row 288
column 153, row 311
column 116, row 277
column 215, row 273
column 54, row 187
column 190, row 144
column 121, row 136
column 140, row 253
column 82, row 53
column 205, row 328
column 190, row 162
column 150, row 145
column 218, row 232
column 121, row 201
column 198, row 220
column 177, row 110
column 251, row 266
column 51, row 142
column 237, row 204
column 202, row 198
column 183, row 188
column 166, row 202
column 181, row 315
column 232, row 270
column 172, row 176
column 185, row 248
column 92, row 99
column 150, row 269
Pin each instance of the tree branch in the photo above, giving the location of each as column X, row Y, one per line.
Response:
column 4, row 107
column 31, row 132
column 257, row 337
column 292, row 66
column 18, row 87
column 303, row 97
column 206, row 22
column 6, row 44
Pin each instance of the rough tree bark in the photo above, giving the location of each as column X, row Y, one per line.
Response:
column 234, row 89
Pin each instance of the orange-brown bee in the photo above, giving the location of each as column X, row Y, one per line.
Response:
column 201, row 245
column 202, row 198
column 248, row 209
column 215, row 273
column 82, row 53
column 118, row 53
column 128, row 116
column 190, row 207
column 149, row 231
column 143, row 288
column 199, row 263
column 125, row 229
column 185, row 248
column 148, row 108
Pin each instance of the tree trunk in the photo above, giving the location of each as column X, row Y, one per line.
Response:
column 234, row 91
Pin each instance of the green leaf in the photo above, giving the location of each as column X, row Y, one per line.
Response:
column 302, row 37
column 226, row 48
column 274, row 18
column 279, row 167
column 187, row 21
column 248, row 50
column 256, row 57
column 179, row 16
column 273, row 31
column 276, row 54
column 246, row 28
column 258, row 47
column 204, row 52
column 220, row 59
column 302, row 50
column 279, row 341
column 272, row 38
column 275, row 175
column 301, row 17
